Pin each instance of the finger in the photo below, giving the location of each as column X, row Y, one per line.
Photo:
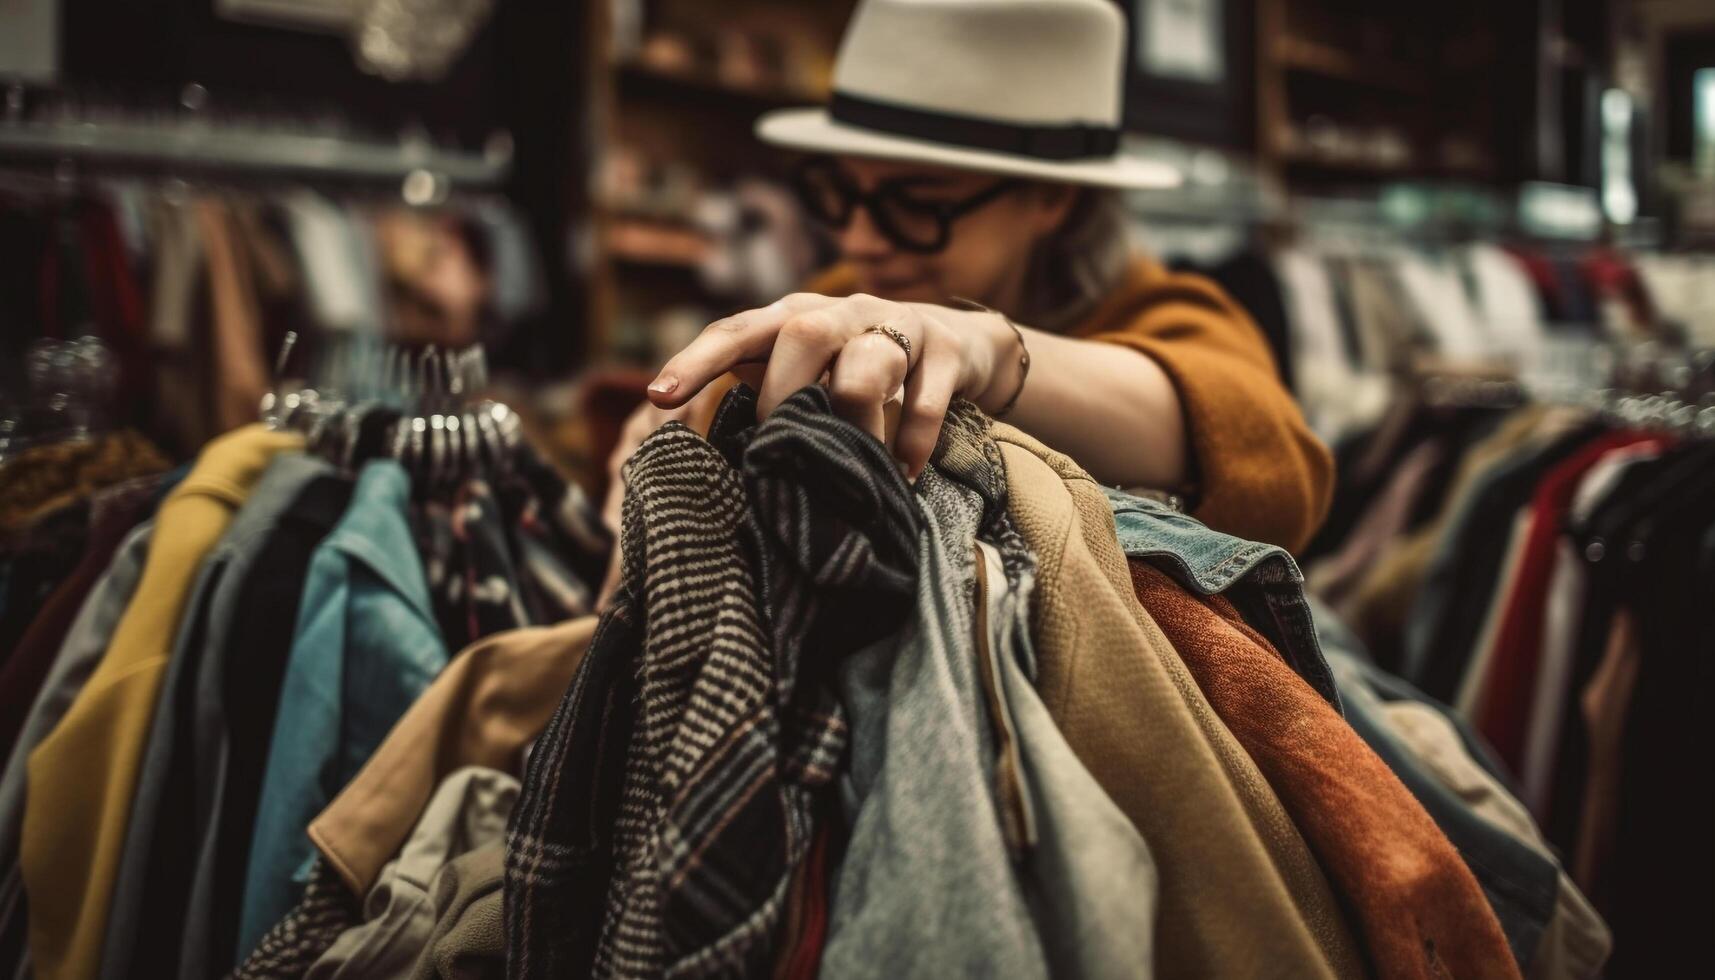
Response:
column 928, row 392
column 724, row 344
column 804, row 348
column 869, row 370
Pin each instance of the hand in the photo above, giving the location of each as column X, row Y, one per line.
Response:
column 804, row 337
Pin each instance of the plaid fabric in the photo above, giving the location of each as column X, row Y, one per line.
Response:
column 733, row 728
column 289, row 949
column 517, row 549
column 559, row 844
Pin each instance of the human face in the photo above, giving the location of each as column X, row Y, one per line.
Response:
column 986, row 253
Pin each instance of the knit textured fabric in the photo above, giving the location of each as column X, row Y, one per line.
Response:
column 307, row 931
column 1420, row 912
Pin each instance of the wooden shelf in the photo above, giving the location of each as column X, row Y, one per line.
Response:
column 655, row 244
column 1325, row 61
column 643, row 82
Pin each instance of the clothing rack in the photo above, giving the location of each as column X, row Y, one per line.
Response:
column 440, row 429
column 1644, row 386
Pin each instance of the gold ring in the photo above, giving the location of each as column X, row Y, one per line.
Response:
column 894, row 335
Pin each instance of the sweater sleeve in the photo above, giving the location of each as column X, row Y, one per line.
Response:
column 1260, row 472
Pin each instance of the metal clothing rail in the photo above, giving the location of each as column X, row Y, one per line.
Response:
column 189, row 137
column 201, row 146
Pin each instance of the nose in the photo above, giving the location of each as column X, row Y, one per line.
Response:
column 861, row 239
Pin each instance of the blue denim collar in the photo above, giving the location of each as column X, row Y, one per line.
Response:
column 375, row 531
column 1269, row 589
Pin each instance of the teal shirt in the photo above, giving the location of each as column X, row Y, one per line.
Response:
column 365, row 647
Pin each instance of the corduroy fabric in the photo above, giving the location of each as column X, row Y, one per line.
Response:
column 1261, row 473
column 1419, row 909
column 1240, row 893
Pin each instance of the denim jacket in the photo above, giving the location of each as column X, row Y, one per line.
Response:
column 1261, row 580
column 366, row 645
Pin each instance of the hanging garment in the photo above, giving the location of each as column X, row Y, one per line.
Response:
column 483, row 710
column 469, row 939
column 341, row 269
column 1550, row 926
column 240, row 374
column 157, row 863
column 1336, row 398
column 1240, row 892
column 85, row 643
column 1575, row 941
column 1562, row 617
column 113, row 513
column 1419, row 910
column 1093, row 875
column 1447, row 614
column 920, row 792
column 834, row 519
column 1503, row 713
column 468, row 811
column 1507, row 303
column 516, row 549
column 365, row 648
column 1647, row 883
column 42, row 479
column 469, row 566
column 1334, row 577
column 1432, row 286
column 34, row 561
column 1260, row 579
column 324, row 913
column 83, row 775
column 808, row 922
column 1380, row 605
column 238, row 697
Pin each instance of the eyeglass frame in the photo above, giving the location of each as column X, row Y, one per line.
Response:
column 887, row 191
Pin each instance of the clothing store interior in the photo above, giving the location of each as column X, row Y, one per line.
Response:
column 627, row 488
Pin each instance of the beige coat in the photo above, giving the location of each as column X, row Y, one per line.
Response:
column 1241, row 895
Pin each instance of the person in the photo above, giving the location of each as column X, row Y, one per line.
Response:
column 968, row 167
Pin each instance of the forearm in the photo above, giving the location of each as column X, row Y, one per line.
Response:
column 1111, row 408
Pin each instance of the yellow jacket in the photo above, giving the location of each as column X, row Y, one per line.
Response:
column 82, row 777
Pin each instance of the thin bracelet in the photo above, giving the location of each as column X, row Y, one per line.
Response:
column 1023, row 352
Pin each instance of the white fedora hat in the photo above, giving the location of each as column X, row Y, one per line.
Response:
column 1030, row 88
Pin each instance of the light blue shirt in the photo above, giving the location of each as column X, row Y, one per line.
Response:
column 365, row 647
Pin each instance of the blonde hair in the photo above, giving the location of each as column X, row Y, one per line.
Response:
column 1074, row 268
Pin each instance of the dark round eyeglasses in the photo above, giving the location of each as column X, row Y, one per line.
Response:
column 909, row 222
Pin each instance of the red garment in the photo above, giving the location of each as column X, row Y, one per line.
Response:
column 806, row 959
column 1419, row 910
column 1609, row 275
column 1503, row 712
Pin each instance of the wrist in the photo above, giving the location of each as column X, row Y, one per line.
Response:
column 1000, row 374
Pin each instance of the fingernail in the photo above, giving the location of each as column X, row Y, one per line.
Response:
column 664, row 384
